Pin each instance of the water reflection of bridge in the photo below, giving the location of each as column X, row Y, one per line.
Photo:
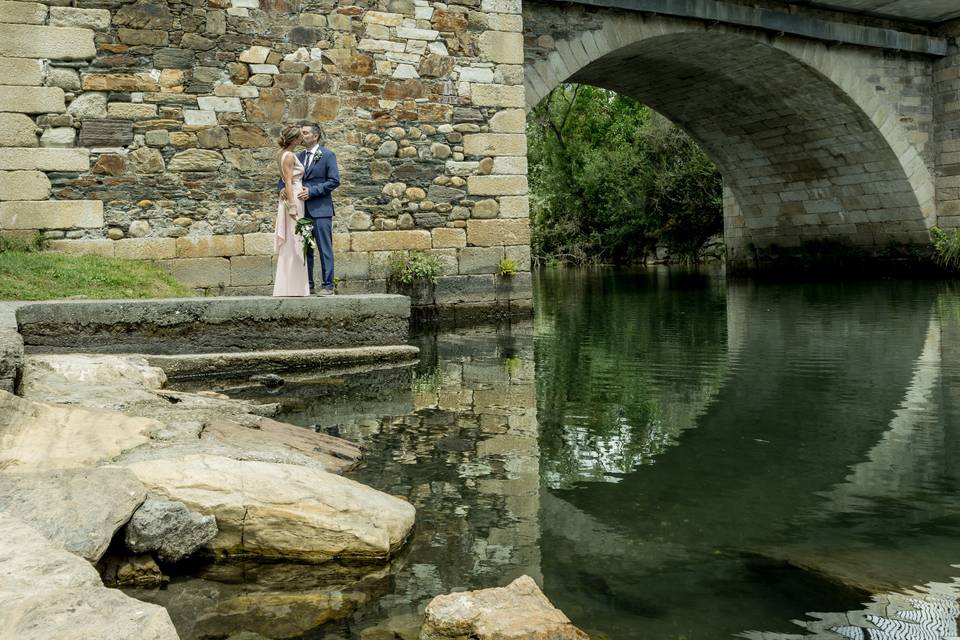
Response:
column 724, row 497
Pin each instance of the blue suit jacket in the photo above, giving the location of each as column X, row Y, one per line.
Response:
column 320, row 180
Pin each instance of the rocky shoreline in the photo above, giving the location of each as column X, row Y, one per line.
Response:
column 110, row 479
column 98, row 455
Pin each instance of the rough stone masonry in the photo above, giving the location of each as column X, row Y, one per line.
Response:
column 145, row 129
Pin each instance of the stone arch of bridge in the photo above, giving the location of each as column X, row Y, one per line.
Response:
column 807, row 149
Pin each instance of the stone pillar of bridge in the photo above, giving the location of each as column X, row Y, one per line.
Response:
column 946, row 78
column 146, row 129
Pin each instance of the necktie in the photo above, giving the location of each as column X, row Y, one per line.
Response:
column 309, row 158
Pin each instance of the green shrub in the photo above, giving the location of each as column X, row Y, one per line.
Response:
column 408, row 267
column 427, row 381
column 946, row 247
column 507, row 267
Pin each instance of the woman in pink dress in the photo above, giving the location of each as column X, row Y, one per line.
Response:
column 291, row 278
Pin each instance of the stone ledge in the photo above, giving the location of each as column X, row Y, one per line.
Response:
column 205, row 325
column 195, row 365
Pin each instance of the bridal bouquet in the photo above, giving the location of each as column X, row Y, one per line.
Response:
column 304, row 229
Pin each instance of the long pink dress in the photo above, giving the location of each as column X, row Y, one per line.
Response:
column 291, row 278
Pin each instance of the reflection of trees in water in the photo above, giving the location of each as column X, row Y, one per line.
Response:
column 624, row 365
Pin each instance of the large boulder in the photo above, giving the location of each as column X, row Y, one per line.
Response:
column 35, row 436
column 170, row 529
column 282, row 511
column 79, row 509
column 518, row 611
column 46, row 592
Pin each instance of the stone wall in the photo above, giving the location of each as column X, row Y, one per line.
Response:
column 144, row 129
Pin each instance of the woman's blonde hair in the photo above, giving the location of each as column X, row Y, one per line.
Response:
column 288, row 135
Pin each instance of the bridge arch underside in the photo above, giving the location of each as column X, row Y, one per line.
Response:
column 801, row 161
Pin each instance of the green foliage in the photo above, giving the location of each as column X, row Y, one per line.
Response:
column 408, row 267
column 946, row 247
column 512, row 364
column 428, row 380
column 36, row 243
column 507, row 267
column 611, row 180
column 28, row 274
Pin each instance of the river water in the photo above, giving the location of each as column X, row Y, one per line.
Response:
column 671, row 456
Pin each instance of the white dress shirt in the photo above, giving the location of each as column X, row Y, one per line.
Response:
column 309, row 159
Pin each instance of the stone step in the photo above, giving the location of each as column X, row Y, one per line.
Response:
column 209, row 325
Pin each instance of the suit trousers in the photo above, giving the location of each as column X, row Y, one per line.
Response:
column 323, row 235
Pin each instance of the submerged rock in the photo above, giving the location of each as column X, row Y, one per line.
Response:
column 282, row 511
column 170, row 529
column 129, row 570
column 518, row 611
column 252, row 600
column 37, row 436
column 46, row 592
column 79, row 509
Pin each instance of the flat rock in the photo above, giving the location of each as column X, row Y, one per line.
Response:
column 170, row 529
column 79, row 509
column 518, row 611
column 211, row 446
column 46, row 592
column 36, row 436
column 88, row 369
column 335, row 454
column 186, row 423
column 103, row 382
column 282, row 511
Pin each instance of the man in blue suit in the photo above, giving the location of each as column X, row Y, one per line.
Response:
column 320, row 178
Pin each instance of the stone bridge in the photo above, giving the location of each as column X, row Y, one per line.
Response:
column 144, row 128
column 825, row 124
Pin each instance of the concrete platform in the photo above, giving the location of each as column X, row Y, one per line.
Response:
column 214, row 325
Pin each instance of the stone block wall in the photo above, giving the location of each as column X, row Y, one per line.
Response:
column 946, row 77
column 145, row 129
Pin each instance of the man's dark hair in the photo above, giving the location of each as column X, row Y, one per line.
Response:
column 316, row 128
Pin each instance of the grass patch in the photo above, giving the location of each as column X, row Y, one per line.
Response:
column 27, row 273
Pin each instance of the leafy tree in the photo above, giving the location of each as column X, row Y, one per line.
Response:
column 612, row 179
